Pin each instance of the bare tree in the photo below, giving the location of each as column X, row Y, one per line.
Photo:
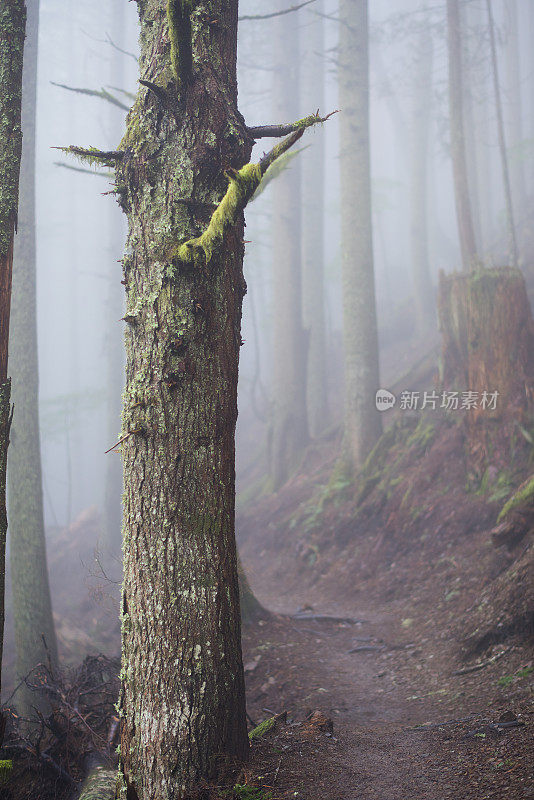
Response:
column 313, row 252
column 461, row 187
column 363, row 424
column 289, row 430
column 35, row 636
column 12, row 32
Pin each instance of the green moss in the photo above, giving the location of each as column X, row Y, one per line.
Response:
column 524, row 496
column 242, row 185
column 6, row 767
column 247, row 792
column 423, row 435
column 262, row 729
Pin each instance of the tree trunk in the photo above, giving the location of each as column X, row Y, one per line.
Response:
column 470, row 19
column 515, row 107
column 423, row 291
column 313, row 197
column 363, row 424
column 459, row 167
column 502, row 142
column 289, row 426
column 251, row 608
column 488, row 346
column 12, row 31
column 99, row 785
column 32, row 607
column 182, row 701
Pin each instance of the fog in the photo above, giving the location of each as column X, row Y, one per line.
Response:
column 81, row 231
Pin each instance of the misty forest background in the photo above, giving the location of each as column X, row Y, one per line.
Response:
column 292, row 364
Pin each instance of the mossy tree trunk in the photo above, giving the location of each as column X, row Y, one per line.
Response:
column 363, row 424
column 459, row 166
column 488, row 346
column 12, row 31
column 289, row 431
column 313, row 253
column 182, row 701
column 32, row 606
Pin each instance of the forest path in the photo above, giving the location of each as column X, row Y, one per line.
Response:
column 397, row 679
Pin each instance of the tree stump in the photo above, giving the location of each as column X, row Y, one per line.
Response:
column 488, row 346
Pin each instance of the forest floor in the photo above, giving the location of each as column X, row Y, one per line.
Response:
column 423, row 674
column 404, row 725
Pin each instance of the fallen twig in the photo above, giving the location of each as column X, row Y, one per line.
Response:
column 482, row 664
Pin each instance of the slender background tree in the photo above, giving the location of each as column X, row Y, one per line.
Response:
column 363, row 424
column 32, row 607
column 12, row 32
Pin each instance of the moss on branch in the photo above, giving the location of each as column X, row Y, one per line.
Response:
column 242, row 185
column 92, row 156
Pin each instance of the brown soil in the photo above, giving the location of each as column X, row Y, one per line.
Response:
column 411, row 557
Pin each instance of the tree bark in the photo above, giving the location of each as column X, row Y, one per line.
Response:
column 289, row 431
column 32, row 606
column 100, row 784
column 459, row 166
column 363, row 424
column 313, row 255
column 488, row 346
column 182, row 701
column 12, row 31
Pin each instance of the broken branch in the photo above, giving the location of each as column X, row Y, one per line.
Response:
column 102, row 93
column 276, row 13
column 275, row 131
column 81, row 169
column 93, row 156
column 242, row 184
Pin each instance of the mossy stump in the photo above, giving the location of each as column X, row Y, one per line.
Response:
column 488, row 346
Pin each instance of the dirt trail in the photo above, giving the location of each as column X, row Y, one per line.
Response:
column 397, row 678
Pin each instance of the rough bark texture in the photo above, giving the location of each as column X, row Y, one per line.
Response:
column 423, row 291
column 32, row 607
column 12, row 28
column 182, row 701
column 363, row 424
column 459, row 166
column 313, row 256
column 488, row 345
column 289, row 426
